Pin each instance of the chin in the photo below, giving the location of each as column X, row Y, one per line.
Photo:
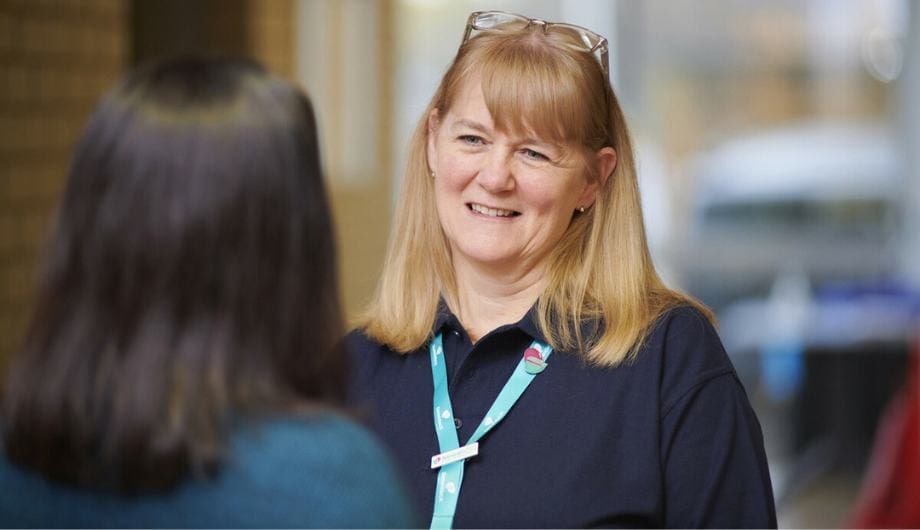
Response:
column 491, row 259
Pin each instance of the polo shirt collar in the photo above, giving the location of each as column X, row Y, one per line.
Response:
column 527, row 323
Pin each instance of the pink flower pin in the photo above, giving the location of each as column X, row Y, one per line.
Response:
column 533, row 361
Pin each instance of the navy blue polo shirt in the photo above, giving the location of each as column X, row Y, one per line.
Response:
column 669, row 440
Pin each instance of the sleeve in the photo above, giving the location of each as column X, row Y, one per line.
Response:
column 714, row 464
column 715, row 469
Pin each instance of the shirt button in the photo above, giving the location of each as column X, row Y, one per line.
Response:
column 458, row 423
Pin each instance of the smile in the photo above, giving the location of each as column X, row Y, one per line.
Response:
column 492, row 212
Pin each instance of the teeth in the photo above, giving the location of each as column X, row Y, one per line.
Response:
column 492, row 212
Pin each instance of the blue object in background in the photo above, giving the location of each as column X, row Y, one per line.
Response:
column 782, row 368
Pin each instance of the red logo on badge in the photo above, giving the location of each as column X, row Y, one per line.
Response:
column 533, row 361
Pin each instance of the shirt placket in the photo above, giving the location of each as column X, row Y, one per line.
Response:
column 458, row 352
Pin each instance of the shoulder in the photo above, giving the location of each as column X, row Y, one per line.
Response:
column 21, row 493
column 684, row 330
column 324, row 440
column 371, row 361
column 304, row 460
column 682, row 320
column 363, row 349
column 688, row 351
column 365, row 356
column 358, row 343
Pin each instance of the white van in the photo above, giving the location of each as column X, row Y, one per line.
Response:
column 821, row 199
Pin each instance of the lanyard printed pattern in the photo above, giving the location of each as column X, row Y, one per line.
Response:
column 450, row 476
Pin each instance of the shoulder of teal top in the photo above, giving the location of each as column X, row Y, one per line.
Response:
column 337, row 467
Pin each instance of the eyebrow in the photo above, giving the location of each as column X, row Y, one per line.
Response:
column 538, row 142
column 476, row 126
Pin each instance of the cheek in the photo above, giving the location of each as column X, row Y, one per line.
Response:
column 455, row 172
column 550, row 199
column 554, row 203
column 448, row 190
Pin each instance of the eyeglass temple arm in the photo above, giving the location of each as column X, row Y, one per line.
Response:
column 469, row 27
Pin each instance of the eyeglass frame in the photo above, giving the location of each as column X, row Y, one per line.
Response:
column 601, row 45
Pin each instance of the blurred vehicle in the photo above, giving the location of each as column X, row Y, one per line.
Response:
column 793, row 240
column 819, row 199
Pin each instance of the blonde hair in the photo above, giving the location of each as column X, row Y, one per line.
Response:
column 603, row 293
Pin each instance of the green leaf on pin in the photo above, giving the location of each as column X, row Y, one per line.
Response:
column 533, row 361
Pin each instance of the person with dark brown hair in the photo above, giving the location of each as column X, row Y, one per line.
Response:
column 184, row 364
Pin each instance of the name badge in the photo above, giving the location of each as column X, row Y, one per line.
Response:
column 461, row 453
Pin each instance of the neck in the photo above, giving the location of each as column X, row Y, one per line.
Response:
column 489, row 299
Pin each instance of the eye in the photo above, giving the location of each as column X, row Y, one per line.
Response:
column 471, row 139
column 536, row 156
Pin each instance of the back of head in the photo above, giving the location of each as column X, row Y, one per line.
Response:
column 190, row 281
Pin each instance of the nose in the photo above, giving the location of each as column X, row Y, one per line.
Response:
column 496, row 175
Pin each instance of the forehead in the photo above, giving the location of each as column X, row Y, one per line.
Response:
column 470, row 108
column 470, row 104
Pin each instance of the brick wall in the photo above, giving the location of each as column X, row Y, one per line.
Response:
column 57, row 57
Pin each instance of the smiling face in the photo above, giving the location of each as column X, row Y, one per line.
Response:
column 504, row 198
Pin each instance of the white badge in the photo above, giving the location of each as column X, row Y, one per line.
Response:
column 454, row 455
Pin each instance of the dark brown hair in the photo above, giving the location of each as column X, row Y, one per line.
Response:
column 190, row 281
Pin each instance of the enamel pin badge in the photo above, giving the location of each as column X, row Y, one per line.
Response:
column 533, row 361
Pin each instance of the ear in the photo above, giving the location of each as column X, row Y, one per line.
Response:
column 431, row 147
column 605, row 161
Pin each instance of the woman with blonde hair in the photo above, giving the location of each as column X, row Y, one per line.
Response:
column 522, row 358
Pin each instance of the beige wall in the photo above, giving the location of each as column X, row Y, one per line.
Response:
column 344, row 54
column 270, row 34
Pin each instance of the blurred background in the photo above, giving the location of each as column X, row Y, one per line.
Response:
column 779, row 161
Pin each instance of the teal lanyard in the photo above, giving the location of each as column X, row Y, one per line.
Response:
column 450, row 476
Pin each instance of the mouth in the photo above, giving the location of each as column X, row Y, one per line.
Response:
column 491, row 212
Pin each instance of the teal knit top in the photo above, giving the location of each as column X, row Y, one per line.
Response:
column 323, row 472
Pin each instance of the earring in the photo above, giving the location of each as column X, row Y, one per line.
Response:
column 581, row 209
column 433, row 175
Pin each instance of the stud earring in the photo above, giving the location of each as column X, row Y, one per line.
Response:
column 433, row 175
column 581, row 209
